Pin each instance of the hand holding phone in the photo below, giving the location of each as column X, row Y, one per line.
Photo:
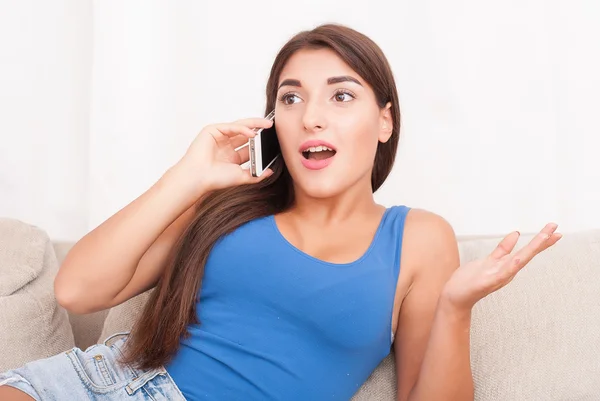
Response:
column 264, row 148
column 214, row 158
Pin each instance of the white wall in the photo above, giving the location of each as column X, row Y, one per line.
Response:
column 498, row 100
column 45, row 71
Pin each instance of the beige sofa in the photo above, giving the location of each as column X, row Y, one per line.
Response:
column 537, row 339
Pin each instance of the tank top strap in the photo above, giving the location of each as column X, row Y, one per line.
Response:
column 388, row 246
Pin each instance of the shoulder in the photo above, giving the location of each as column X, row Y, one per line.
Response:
column 427, row 228
column 429, row 245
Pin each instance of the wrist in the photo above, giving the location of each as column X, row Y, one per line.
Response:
column 177, row 180
column 453, row 310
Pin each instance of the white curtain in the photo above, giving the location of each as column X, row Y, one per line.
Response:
column 45, row 82
column 499, row 101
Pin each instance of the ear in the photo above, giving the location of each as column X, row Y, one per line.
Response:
column 386, row 123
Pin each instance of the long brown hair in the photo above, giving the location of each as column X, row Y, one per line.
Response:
column 156, row 335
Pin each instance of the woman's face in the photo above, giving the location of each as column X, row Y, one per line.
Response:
column 328, row 123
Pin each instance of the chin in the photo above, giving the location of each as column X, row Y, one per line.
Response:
column 320, row 188
column 328, row 182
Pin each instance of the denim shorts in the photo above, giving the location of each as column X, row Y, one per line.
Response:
column 91, row 375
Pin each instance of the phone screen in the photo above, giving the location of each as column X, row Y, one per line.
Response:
column 269, row 146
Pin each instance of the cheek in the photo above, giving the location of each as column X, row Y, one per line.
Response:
column 286, row 141
column 362, row 143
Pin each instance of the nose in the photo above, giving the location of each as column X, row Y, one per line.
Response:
column 313, row 118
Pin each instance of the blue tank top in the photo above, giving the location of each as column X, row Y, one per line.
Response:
column 278, row 324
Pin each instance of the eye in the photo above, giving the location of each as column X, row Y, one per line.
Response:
column 343, row 96
column 289, row 98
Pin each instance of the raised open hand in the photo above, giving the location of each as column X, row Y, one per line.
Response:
column 479, row 278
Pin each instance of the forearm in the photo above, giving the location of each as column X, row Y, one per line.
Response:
column 115, row 248
column 446, row 369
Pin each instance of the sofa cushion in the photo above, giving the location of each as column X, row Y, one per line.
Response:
column 539, row 337
column 22, row 253
column 33, row 325
column 381, row 385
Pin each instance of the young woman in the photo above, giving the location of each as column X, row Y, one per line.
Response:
column 291, row 286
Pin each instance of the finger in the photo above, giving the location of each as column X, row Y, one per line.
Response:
column 506, row 246
column 254, row 180
column 244, row 154
column 540, row 242
column 238, row 141
column 554, row 238
column 231, row 130
column 255, row 123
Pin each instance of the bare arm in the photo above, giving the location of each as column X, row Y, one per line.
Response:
column 432, row 344
column 433, row 340
column 446, row 370
column 126, row 254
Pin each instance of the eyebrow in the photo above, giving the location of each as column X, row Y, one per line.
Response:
column 343, row 78
column 330, row 81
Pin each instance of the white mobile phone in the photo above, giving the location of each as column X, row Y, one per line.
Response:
column 264, row 148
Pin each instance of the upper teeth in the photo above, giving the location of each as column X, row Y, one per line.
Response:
column 318, row 149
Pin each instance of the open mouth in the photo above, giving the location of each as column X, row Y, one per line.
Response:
column 318, row 153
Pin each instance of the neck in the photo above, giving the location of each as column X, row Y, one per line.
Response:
column 356, row 201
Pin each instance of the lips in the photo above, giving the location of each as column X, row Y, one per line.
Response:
column 317, row 154
column 314, row 143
